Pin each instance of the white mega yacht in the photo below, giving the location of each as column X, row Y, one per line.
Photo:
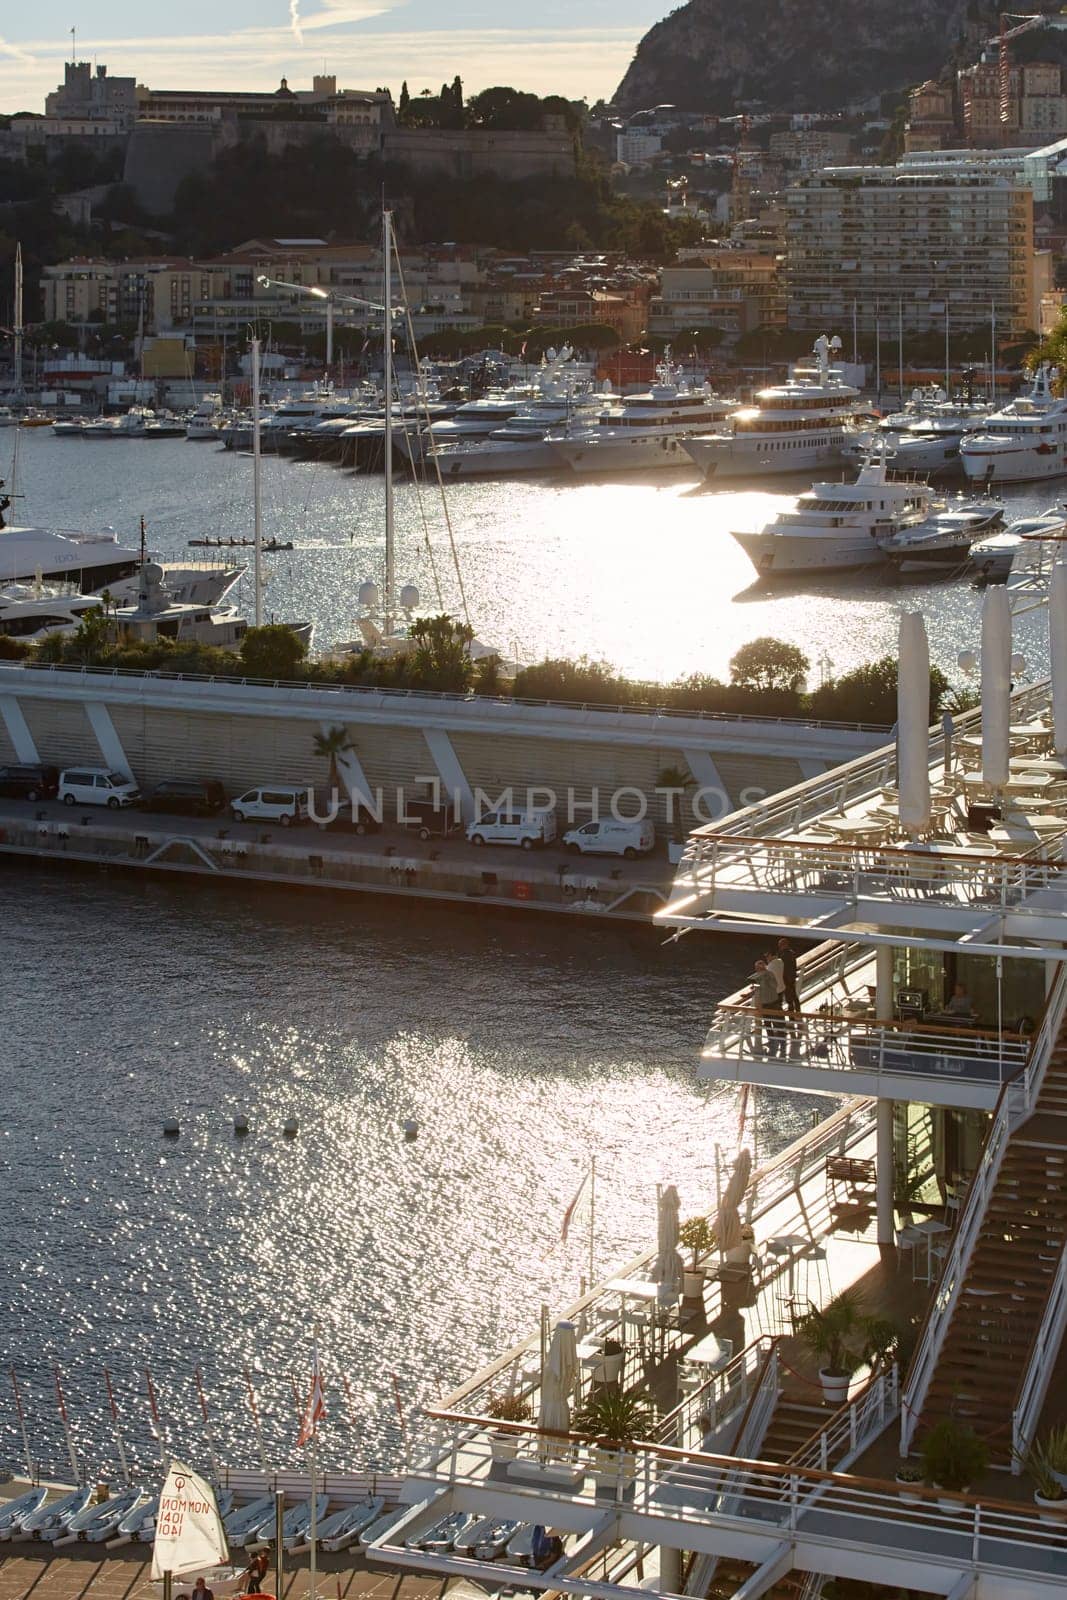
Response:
column 791, row 427
column 835, row 526
column 89, row 560
column 1023, row 442
column 648, row 432
column 524, row 442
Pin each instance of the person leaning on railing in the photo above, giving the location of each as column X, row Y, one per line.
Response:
column 768, row 1003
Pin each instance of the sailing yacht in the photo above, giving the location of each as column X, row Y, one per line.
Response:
column 1023, row 442
column 805, row 422
column 649, row 432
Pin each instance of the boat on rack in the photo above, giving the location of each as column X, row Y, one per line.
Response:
column 806, row 422
column 52, row 1514
column 343, row 1527
column 1023, row 442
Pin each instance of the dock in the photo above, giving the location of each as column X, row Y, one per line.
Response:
column 393, row 862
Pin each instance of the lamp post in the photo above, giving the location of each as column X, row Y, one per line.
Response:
column 332, row 299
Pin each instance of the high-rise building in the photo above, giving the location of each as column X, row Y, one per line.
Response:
column 924, row 243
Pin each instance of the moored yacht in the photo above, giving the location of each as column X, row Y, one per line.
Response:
column 525, row 442
column 793, row 426
column 648, row 432
column 838, row 525
column 89, row 560
column 207, row 420
column 1025, row 441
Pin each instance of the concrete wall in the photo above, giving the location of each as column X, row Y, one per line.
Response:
column 458, row 154
column 159, row 156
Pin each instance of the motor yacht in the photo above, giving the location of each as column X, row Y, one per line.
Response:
column 805, row 422
column 88, row 560
column 1025, row 441
column 943, row 541
column 929, row 444
column 526, row 441
column 648, row 432
column 137, row 423
column 835, row 526
column 207, row 421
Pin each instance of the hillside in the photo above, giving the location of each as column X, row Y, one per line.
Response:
column 796, row 55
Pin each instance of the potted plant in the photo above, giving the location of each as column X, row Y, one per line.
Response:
column 506, row 1408
column 953, row 1457
column 836, row 1335
column 614, row 1420
column 1054, row 1448
column 908, row 1477
column 1050, row 1496
column 698, row 1236
column 610, row 1368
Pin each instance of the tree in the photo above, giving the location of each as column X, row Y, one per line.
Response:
column 273, row 651
column 330, row 746
column 767, row 663
column 403, row 103
column 441, row 658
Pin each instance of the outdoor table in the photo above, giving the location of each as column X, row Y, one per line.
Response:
column 1018, row 782
column 1027, row 830
column 789, row 1245
column 1051, row 764
column 635, row 1288
column 929, row 1230
column 711, row 1352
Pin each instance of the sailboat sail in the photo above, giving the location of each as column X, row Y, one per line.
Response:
column 189, row 1531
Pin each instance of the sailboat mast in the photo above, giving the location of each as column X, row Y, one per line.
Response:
column 18, row 319
column 387, row 324
column 257, row 502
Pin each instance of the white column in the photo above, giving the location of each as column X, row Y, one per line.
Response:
column 884, row 1125
column 670, row 1570
column 18, row 731
column 453, row 778
column 110, row 744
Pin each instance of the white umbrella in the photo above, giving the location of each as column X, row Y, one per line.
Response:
column 734, row 1192
column 668, row 1269
column 996, row 686
column 913, row 724
column 558, row 1379
column 1057, row 642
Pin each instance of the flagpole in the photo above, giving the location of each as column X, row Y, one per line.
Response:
column 592, row 1214
column 314, row 1519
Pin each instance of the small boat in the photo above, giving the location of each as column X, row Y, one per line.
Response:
column 345, row 1526
column 146, row 1532
column 276, row 544
column 520, row 1548
column 439, row 1539
column 53, row 1514
column 944, row 540
column 381, row 1525
column 243, row 1523
column 96, row 1522
column 24, row 1506
column 138, row 1526
column 113, row 1517
column 220, row 1580
column 991, row 560
column 295, row 1523
column 487, row 1539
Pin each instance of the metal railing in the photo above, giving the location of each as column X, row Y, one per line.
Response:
column 722, row 1396
column 900, row 874
column 854, row 1427
column 439, row 696
column 1044, row 1352
column 1014, row 1105
column 831, row 1042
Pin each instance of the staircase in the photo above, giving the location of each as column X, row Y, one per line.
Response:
column 1010, row 1272
column 791, row 1426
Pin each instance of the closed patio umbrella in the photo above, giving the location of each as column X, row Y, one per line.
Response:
column 558, row 1378
column 996, row 686
column 1057, row 642
column 734, row 1192
column 668, row 1269
column 913, row 725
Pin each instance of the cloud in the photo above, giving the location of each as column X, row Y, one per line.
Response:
column 294, row 20
column 13, row 52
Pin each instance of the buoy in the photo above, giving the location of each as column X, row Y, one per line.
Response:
column 411, row 1130
column 290, row 1127
column 171, row 1129
column 240, row 1126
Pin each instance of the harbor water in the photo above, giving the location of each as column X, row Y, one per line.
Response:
column 521, row 1049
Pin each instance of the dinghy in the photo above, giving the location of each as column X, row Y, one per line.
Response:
column 439, row 1539
column 247, row 1519
column 297, row 1522
column 113, row 1514
column 107, row 1515
column 136, row 1524
column 497, row 1538
column 54, row 1514
column 345, row 1526
column 382, row 1525
column 13, row 1513
column 190, row 1541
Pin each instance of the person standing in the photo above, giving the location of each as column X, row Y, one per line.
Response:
column 788, row 957
column 768, row 1004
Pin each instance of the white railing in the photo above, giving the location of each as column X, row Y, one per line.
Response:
column 1038, row 1374
column 823, row 1040
column 898, row 875
column 1016, row 1102
column 855, row 1426
column 719, row 1398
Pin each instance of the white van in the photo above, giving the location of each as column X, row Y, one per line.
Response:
column 610, row 837
column 96, row 786
column 527, row 829
column 280, row 803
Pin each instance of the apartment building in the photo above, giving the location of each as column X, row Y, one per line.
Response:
column 736, row 290
column 933, row 242
column 1032, row 112
column 623, row 309
column 808, row 149
column 931, row 123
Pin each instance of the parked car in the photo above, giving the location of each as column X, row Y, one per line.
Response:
column 279, row 803
column 357, row 819
column 186, row 797
column 527, row 829
column 610, row 837
column 96, row 786
column 29, row 783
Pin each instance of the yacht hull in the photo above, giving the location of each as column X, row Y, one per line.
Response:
column 1025, row 464
column 490, row 461
column 624, row 455
column 774, row 556
column 729, row 457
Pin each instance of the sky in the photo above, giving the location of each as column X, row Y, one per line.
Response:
column 571, row 47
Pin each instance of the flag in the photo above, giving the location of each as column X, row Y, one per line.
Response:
column 315, row 1411
column 572, row 1210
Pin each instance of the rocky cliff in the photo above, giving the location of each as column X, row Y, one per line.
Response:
column 796, row 55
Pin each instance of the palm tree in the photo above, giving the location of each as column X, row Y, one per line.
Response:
column 330, row 746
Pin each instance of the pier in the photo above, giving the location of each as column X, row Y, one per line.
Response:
column 392, row 862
